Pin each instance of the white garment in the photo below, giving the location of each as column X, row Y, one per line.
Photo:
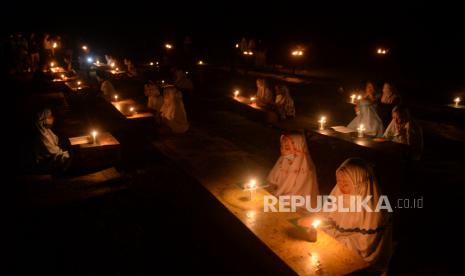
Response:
column 369, row 118
column 107, row 89
column 409, row 134
column 367, row 233
column 264, row 95
column 46, row 148
column 172, row 111
column 294, row 173
column 155, row 99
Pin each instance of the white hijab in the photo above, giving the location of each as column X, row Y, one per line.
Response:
column 295, row 173
column 155, row 100
column 172, row 111
column 46, row 145
column 369, row 118
column 367, row 233
column 107, row 89
column 264, row 94
column 408, row 133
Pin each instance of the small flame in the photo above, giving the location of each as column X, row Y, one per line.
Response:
column 252, row 184
column 316, row 223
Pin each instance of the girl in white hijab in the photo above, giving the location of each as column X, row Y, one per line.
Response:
column 172, row 111
column 155, row 99
column 47, row 151
column 367, row 233
column 403, row 129
column 367, row 116
column 294, row 173
column 284, row 102
column 264, row 94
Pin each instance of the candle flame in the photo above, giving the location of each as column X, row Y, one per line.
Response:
column 151, row 63
column 84, row 47
column 79, row 82
column 252, row 184
column 200, row 62
column 55, row 45
column 168, row 46
column 94, row 133
column 457, row 99
column 322, row 120
column 131, row 109
column 316, row 223
column 236, row 93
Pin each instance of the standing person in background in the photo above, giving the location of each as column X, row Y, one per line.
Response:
column 34, row 52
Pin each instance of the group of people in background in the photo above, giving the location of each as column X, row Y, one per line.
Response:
column 276, row 100
column 384, row 115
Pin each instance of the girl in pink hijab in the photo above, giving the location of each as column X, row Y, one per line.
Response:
column 294, row 173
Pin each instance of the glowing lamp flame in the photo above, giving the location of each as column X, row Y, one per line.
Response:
column 316, row 223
